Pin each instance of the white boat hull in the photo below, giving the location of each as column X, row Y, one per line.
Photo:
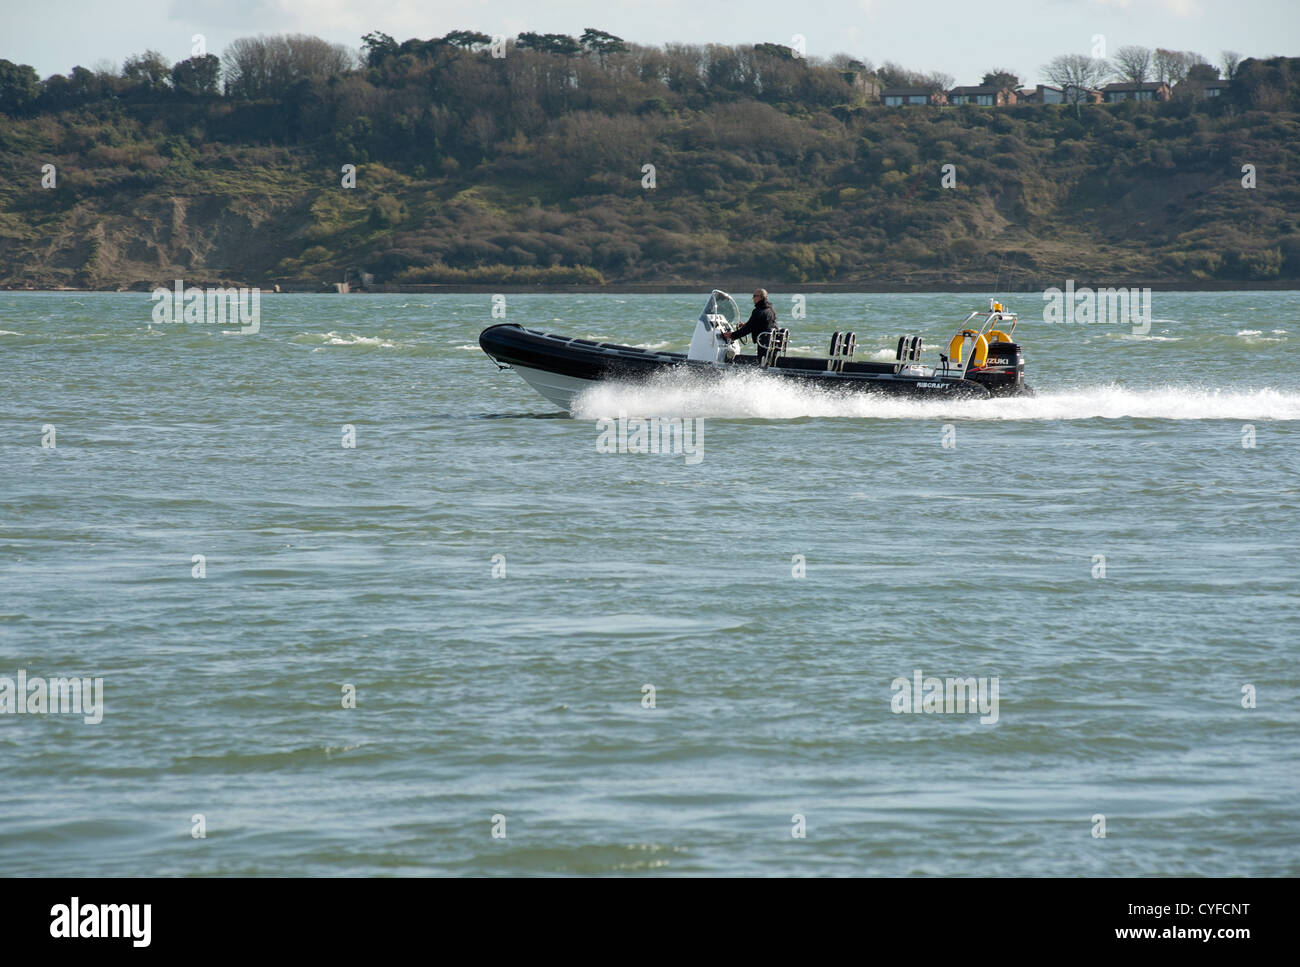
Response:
column 555, row 387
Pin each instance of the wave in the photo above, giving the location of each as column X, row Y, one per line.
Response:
column 746, row 396
column 339, row 339
column 1140, row 337
column 1257, row 335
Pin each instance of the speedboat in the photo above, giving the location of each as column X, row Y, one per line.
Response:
column 982, row 359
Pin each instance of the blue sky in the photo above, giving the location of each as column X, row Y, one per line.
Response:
column 960, row 37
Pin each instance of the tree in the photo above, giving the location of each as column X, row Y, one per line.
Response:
column 938, row 81
column 1202, row 72
column 561, row 44
column 423, row 49
column 1229, row 59
column 1162, row 64
column 1268, row 85
column 269, row 66
column 775, row 50
column 1133, row 64
column 149, row 69
column 892, row 74
column 895, row 75
column 1076, row 75
column 467, row 39
column 308, row 56
column 377, row 46
column 601, row 43
column 198, row 75
column 1000, row 77
column 19, row 87
column 247, row 65
column 847, row 62
column 1171, row 66
column 85, row 85
column 56, row 92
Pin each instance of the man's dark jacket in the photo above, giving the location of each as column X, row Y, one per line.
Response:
column 762, row 319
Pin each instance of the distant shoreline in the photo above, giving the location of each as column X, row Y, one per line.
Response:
column 672, row 288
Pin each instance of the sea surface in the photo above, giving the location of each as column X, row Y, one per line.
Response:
column 181, row 517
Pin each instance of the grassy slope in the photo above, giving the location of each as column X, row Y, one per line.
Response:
column 743, row 190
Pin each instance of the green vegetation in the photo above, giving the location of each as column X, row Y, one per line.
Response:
column 529, row 168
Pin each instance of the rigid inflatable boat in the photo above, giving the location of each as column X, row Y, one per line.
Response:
column 982, row 359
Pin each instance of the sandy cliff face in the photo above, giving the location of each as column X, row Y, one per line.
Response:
column 152, row 239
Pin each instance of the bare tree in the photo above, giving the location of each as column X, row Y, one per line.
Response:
column 1133, row 63
column 895, row 75
column 1163, row 64
column 1171, row 66
column 1076, row 75
column 847, row 62
column 1230, row 59
column 268, row 66
column 246, row 66
column 310, row 56
column 938, row 81
column 892, row 74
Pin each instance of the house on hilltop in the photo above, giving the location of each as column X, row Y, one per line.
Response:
column 1086, row 95
column 1047, row 94
column 1042, row 94
column 1202, row 88
column 899, row 96
column 1127, row 91
column 983, row 96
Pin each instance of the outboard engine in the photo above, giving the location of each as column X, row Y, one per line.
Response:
column 1004, row 370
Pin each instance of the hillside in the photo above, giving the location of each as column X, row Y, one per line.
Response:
column 529, row 169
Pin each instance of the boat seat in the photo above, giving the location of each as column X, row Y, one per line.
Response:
column 772, row 344
column 909, row 349
column 843, row 345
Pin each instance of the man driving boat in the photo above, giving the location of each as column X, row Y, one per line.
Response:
column 762, row 319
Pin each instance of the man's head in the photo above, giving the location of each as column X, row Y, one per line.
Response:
column 760, row 295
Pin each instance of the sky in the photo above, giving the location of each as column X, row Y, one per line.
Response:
column 964, row 38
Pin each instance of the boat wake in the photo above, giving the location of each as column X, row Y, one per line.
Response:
column 744, row 396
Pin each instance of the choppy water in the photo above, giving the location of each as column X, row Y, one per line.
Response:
column 521, row 696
